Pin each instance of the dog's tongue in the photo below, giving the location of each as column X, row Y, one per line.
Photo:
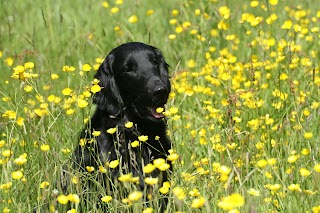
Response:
column 155, row 113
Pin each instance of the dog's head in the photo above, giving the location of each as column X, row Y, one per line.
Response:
column 133, row 76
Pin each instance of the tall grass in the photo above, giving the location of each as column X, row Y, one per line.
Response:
column 245, row 79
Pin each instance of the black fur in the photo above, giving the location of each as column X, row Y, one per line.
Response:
column 134, row 81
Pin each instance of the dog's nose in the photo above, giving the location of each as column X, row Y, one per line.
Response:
column 160, row 91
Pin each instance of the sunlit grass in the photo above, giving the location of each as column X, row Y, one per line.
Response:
column 243, row 113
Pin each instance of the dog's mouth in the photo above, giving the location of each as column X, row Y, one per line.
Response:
column 154, row 112
column 157, row 112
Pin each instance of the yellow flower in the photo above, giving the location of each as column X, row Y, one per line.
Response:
column 7, row 153
column 28, row 88
column 20, row 121
column 262, row 163
column 198, row 202
column 165, row 188
column 113, row 164
column 102, row 169
column 17, row 175
column 70, row 111
column 304, row 172
column 9, row 114
column 151, row 180
column 19, row 69
column 191, row 63
column 293, row 158
column 161, row 164
column 308, row 135
column 90, row 168
column 172, row 36
column 45, row 147
column 9, row 61
column 125, row 177
column 68, row 69
column 148, row 168
column 96, row 133
column 143, row 138
column 22, row 159
column 2, row 143
column 44, row 184
column 105, row 4
column 128, row 124
column 112, row 130
column 294, row 187
column 194, row 193
column 29, row 65
column 254, row 3
column 159, row 110
column 273, row 187
column 230, row 202
column 316, row 209
column 287, row 25
column 175, row 12
column 95, row 88
column 134, row 196
column 254, row 192
column 283, row 76
column 86, row 94
column 173, row 110
column 135, row 143
column 73, row 198
column 179, row 193
column 66, row 151
column 273, row 2
column 148, row 210
column 317, row 167
column 305, row 151
column 164, row 167
column 224, row 170
column 272, row 161
column 106, row 199
column 150, row 12
column 197, row 12
column 66, row 91
column 6, row 185
column 114, row 10
column 82, row 103
column 173, row 157
column 86, row 67
column 51, row 98
column 268, row 174
column 62, row 199
column 54, row 76
column 133, row 19
column 224, row 11
column 75, row 180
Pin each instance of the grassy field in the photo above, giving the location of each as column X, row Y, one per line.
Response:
column 243, row 113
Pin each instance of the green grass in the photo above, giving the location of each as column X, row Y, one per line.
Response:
column 245, row 95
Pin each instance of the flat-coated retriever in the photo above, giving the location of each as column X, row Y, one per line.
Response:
column 135, row 82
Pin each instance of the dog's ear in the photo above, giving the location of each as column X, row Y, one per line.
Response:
column 109, row 98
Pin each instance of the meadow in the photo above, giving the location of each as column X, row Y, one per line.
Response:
column 243, row 114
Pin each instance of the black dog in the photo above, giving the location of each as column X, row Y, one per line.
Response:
column 135, row 82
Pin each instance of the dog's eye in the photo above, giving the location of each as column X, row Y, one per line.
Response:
column 155, row 61
column 130, row 69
